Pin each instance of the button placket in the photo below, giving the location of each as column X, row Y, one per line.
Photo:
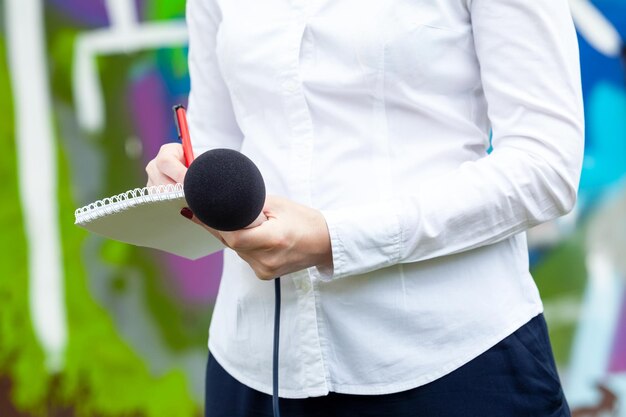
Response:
column 296, row 109
column 310, row 347
column 301, row 149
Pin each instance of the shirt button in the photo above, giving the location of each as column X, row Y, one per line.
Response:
column 291, row 86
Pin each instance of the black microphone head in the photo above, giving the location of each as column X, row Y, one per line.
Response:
column 224, row 189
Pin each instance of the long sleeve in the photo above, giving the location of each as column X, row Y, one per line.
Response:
column 529, row 66
column 211, row 119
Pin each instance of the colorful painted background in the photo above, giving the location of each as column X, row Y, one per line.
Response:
column 90, row 327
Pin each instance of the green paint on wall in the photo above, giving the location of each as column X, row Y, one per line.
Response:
column 165, row 10
column 562, row 275
column 176, row 58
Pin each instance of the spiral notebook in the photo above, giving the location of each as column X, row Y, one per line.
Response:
column 149, row 217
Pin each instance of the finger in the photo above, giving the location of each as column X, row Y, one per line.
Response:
column 263, row 237
column 274, row 205
column 173, row 150
column 259, row 220
column 149, row 171
column 157, row 178
column 172, row 168
column 259, row 270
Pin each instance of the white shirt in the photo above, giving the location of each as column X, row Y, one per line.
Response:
column 378, row 114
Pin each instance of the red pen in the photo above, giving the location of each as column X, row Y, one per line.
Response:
column 183, row 133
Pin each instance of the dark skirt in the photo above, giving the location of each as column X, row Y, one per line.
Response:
column 515, row 378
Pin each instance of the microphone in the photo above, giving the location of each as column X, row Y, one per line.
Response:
column 225, row 190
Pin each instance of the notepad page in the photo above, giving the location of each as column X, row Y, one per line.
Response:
column 158, row 225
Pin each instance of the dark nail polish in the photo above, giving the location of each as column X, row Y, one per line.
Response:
column 186, row 212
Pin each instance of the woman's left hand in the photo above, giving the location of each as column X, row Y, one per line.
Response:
column 294, row 237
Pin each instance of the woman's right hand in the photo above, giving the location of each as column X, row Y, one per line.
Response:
column 168, row 167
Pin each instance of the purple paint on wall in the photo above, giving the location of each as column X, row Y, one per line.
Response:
column 617, row 362
column 195, row 281
column 92, row 13
column 151, row 112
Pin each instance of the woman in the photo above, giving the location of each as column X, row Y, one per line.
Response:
column 399, row 236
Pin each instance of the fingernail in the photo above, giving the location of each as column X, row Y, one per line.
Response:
column 185, row 212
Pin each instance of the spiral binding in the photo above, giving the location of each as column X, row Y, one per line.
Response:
column 124, row 201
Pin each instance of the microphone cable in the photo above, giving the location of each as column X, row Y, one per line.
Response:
column 275, row 357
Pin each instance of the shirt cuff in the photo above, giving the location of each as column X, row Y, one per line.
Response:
column 363, row 238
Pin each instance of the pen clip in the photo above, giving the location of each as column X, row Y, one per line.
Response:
column 175, row 108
